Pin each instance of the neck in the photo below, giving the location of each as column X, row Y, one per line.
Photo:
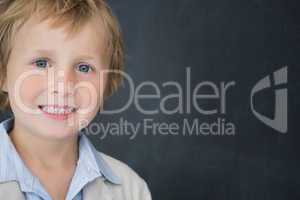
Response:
column 45, row 153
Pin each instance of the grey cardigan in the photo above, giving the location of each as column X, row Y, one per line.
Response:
column 133, row 187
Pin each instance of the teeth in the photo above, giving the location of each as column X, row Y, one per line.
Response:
column 54, row 110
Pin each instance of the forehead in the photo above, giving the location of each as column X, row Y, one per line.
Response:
column 90, row 36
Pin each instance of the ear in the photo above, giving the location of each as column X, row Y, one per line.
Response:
column 4, row 86
column 4, row 82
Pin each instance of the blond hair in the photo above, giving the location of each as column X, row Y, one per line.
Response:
column 14, row 13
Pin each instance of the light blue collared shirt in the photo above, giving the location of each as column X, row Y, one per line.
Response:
column 12, row 168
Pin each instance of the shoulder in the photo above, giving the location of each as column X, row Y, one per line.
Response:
column 119, row 168
column 130, row 181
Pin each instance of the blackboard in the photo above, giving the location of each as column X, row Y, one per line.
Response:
column 215, row 43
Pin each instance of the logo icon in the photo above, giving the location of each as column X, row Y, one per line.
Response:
column 279, row 122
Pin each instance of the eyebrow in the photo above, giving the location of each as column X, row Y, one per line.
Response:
column 44, row 52
column 52, row 54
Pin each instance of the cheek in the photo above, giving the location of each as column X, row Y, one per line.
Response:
column 101, row 85
column 26, row 90
column 89, row 95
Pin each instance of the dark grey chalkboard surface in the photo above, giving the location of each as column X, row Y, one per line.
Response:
column 218, row 42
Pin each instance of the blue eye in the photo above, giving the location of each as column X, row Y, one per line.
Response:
column 84, row 68
column 41, row 63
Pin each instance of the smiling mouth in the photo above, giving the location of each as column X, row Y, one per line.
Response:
column 58, row 113
column 57, row 110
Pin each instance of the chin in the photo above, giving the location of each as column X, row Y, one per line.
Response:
column 56, row 132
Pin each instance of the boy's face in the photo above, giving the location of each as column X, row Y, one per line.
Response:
column 46, row 67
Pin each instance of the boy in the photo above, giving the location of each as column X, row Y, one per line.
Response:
column 47, row 46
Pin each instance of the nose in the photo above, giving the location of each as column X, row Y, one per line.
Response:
column 61, row 82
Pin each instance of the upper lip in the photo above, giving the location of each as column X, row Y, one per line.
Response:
column 58, row 106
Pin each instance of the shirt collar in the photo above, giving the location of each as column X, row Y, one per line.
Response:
column 12, row 167
column 97, row 161
column 87, row 154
